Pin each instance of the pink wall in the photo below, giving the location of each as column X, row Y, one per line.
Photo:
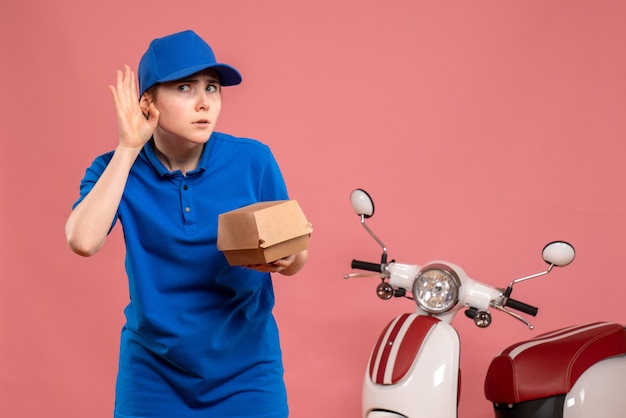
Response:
column 482, row 129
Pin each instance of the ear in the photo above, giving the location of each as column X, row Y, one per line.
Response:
column 144, row 103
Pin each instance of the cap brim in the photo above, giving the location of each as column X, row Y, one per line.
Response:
column 229, row 76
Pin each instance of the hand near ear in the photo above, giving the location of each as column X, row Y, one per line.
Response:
column 135, row 128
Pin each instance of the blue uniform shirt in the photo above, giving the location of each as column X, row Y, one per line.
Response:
column 200, row 339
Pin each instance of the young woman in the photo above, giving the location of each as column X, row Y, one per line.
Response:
column 200, row 339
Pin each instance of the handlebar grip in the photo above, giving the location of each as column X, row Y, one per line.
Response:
column 521, row 306
column 364, row 265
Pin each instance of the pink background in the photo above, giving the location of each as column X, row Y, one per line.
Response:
column 483, row 130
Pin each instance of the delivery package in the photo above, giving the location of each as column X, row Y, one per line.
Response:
column 263, row 232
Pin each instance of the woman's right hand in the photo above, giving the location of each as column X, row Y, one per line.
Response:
column 135, row 128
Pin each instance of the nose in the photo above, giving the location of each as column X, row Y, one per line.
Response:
column 203, row 101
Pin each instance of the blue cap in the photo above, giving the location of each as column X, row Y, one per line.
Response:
column 180, row 55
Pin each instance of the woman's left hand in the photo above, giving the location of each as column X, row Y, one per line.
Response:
column 275, row 266
column 288, row 266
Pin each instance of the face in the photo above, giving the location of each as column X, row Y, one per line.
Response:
column 188, row 108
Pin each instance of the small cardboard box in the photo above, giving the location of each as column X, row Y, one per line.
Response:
column 263, row 232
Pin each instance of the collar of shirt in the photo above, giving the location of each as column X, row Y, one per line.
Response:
column 149, row 150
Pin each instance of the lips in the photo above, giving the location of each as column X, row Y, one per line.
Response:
column 201, row 122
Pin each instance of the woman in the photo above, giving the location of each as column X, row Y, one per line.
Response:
column 200, row 339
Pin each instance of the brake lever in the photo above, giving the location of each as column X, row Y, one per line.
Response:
column 513, row 314
column 377, row 275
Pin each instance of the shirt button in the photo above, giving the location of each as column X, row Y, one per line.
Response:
column 187, row 209
column 185, row 187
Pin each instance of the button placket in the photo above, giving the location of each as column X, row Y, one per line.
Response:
column 189, row 216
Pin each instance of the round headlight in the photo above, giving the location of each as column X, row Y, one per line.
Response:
column 436, row 288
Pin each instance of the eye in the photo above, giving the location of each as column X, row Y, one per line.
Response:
column 213, row 88
column 184, row 87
